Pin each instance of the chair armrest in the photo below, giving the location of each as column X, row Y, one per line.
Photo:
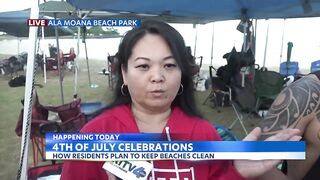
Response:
column 52, row 127
column 52, row 108
column 73, row 124
column 35, row 128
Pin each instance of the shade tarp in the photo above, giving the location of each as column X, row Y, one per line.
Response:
column 206, row 10
column 15, row 23
column 60, row 9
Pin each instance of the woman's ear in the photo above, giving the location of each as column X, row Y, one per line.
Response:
column 124, row 75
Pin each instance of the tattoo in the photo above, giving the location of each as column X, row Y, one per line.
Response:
column 298, row 100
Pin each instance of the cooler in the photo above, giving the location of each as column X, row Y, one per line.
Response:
column 292, row 68
column 315, row 66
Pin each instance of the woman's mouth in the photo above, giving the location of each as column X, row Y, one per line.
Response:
column 157, row 93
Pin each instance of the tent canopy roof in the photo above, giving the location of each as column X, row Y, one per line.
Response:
column 206, row 10
column 15, row 23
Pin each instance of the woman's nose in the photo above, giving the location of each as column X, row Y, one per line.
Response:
column 157, row 75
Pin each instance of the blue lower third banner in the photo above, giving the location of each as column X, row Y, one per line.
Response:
column 112, row 149
column 94, row 22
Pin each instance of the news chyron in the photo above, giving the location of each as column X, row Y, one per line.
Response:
column 128, row 155
column 85, row 22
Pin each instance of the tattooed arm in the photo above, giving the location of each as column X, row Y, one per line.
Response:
column 297, row 106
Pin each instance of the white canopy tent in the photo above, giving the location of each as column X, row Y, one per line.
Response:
column 202, row 13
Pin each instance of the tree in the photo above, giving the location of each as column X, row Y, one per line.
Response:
column 97, row 31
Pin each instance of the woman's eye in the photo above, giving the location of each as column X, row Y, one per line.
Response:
column 143, row 66
column 170, row 65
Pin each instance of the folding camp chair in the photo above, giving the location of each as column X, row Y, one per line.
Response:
column 45, row 172
column 195, row 63
column 220, row 92
column 111, row 70
column 196, row 67
column 68, row 58
column 10, row 66
column 238, row 75
column 252, row 98
column 70, row 119
column 243, row 102
column 268, row 84
column 52, row 61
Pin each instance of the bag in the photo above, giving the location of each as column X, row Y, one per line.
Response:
column 224, row 133
column 244, row 96
column 17, row 81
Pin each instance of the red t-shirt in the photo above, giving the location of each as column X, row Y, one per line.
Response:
column 120, row 120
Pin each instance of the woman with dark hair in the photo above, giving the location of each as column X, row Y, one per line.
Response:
column 179, row 54
column 154, row 94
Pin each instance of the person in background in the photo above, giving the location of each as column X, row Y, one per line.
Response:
column 298, row 106
column 154, row 94
column 52, row 51
column 195, row 68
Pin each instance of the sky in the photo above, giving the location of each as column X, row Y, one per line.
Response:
column 303, row 33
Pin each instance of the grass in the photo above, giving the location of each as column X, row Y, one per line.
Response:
column 50, row 95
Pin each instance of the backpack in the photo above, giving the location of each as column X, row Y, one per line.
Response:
column 17, row 81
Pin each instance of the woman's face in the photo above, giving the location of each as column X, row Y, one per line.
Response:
column 153, row 76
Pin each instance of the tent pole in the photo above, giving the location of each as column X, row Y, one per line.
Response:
column 212, row 42
column 44, row 57
column 195, row 40
column 244, row 47
column 19, row 42
column 255, row 28
column 76, row 68
column 75, row 88
column 266, row 46
column 87, row 60
column 282, row 39
column 59, row 64
column 86, row 52
column 23, row 165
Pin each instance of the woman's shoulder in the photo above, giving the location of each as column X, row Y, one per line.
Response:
column 205, row 130
column 199, row 128
column 179, row 114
